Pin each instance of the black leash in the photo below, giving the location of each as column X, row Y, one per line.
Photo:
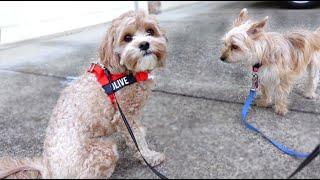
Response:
column 132, row 135
column 135, row 142
column 310, row 158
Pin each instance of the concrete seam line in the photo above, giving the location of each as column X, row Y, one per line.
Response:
column 221, row 100
column 33, row 73
column 160, row 91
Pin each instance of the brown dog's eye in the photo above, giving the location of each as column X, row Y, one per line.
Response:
column 127, row 38
column 234, row 47
column 150, row 32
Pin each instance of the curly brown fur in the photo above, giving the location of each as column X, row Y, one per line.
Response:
column 78, row 141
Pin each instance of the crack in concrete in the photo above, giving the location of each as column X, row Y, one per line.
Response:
column 36, row 74
column 160, row 91
column 224, row 101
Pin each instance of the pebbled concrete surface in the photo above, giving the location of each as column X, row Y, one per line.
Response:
column 193, row 115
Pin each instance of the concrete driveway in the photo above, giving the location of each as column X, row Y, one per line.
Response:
column 193, row 115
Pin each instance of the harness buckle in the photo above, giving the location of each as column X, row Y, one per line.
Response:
column 93, row 65
column 255, row 82
column 101, row 65
column 90, row 70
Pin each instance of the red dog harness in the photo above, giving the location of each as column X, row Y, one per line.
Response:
column 111, row 83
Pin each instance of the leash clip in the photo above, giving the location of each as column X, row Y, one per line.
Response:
column 255, row 78
column 255, row 81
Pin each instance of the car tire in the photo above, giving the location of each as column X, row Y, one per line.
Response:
column 299, row 4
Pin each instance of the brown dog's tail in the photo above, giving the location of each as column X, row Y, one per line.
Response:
column 21, row 168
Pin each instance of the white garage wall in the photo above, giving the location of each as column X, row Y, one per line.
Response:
column 167, row 5
column 21, row 21
column 26, row 20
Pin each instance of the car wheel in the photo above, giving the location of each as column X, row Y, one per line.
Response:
column 300, row 4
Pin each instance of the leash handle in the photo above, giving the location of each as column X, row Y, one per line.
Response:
column 311, row 157
column 161, row 176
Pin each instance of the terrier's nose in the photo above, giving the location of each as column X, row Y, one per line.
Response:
column 144, row 46
column 223, row 58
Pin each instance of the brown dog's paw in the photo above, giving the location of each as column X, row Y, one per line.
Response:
column 156, row 158
column 153, row 158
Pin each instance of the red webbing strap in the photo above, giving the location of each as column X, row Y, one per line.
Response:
column 102, row 78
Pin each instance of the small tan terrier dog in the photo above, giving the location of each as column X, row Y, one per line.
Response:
column 78, row 141
column 282, row 58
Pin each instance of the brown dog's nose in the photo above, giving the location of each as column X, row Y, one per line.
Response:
column 144, row 46
column 223, row 58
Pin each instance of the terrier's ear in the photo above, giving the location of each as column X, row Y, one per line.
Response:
column 243, row 16
column 257, row 28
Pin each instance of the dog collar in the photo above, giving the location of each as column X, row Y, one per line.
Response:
column 255, row 78
column 112, row 83
column 255, row 68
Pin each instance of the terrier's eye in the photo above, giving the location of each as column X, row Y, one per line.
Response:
column 127, row 38
column 234, row 47
column 150, row 32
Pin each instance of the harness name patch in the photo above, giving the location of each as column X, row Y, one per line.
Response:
column 118, row 84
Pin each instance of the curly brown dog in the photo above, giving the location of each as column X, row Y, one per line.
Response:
column 73, row 146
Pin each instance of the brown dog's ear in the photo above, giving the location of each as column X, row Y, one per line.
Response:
column 160, row 29
column 164, row 34
column 257, row 28
column 241, row 18
column 108, row 57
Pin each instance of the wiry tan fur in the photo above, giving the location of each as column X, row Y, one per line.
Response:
column 78, row 141
column 284, row 58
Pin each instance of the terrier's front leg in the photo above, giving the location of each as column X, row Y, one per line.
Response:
column 313, row 79
column 265, row 99
column 281, row 99
column 153, row 158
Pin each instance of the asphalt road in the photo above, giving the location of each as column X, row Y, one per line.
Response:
column 193, row 115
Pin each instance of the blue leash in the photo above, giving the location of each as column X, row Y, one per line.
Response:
column 278, row 145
